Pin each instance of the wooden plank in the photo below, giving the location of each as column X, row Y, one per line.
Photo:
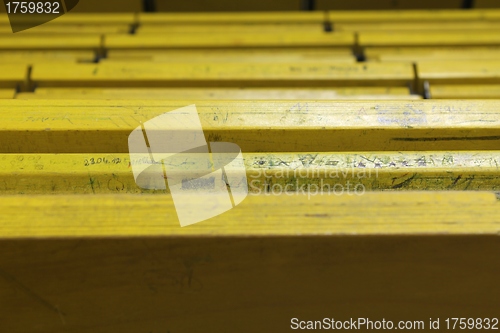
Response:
column 142, row 74
column 32, row 56
column 479, row 91
column 229, row 40
column 108, row 6
column 386, row 4
column 281, row 55
column 447, row 38
column 219, row 93
column 7, row 93
column 344, row 126
column 421, row 54
column 384, row 16
column 377, row 213
column 50, row 42
column 267, row 173
column 209, row 284
column 12, row 75
column 435, row 27
column 95, row 19
column 227, row 6
column 229, row 28
column 70, row 29
column 354, row 93
column 460, row 72
column 232, row 18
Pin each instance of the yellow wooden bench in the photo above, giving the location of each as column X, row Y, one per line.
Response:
column 229, row 40
column 222, row 75
column 459, row 72
column 446, row 38
column 370, row 93
column 434, row 53
column 50, row 42
column 267, row 173
column 384, row 16
column 293, row 17
column 459, row 91
column 102, row 126
column 276, row 55
column 52, row 56
column 425, row 27
column 228, row 28
column 75, row 29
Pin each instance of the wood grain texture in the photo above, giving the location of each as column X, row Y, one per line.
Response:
column 478, row 91
column 460, row 72
column 411, row 38
column 229, row 40
column 86, row 126
column 377, row 213
column 367, row 93
column 244, row 284
column 434, row 53
column 141, row 74
column 267, row 173
column 248, row 55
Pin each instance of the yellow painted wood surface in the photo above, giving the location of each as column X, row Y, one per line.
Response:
column 232, row 18
column 69, row 29
column 267, row 173
column 12, row 75
column 49, row 42
column 32, row 56
column 387, row 4
column 229, row 28
column 384, row 16
column 249, row 93
column 479, row 91
column 421, row 54
column 209, row 284
column 95, row 18
column 229, row 40
column 377, row 213
column 108, row 6
column 460, row 72
column 448, row 38
column 412, row 26
column 7, row 93
column 141, row 74
column 354, row 93
column 280, row 55
column 227, row 6
column 64, row 126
